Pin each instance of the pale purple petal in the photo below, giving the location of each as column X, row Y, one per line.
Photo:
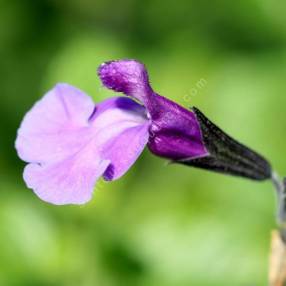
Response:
column 69, row 143
column 124, row 150
column 70, row 181
column 122, row 133
column 48, row 130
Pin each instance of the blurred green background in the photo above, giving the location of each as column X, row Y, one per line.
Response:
column 160, row 225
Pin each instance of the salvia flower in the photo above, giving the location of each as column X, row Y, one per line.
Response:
column 69, row 142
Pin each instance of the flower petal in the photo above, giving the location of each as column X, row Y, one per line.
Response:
column 124, row 150
column 70, row 181
column 121, row 132
column 69, row 143
column 48, row 130
column 175, row 131
column 127, row 76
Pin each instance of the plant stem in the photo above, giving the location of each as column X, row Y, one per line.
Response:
column 277, row 263
column 277, row 266
column 280, row 188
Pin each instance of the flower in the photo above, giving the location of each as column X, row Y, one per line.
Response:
column 69, row 142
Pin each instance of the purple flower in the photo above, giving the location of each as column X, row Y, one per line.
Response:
column 69, row 142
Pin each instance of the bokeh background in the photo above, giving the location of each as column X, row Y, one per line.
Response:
column 160, row 224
